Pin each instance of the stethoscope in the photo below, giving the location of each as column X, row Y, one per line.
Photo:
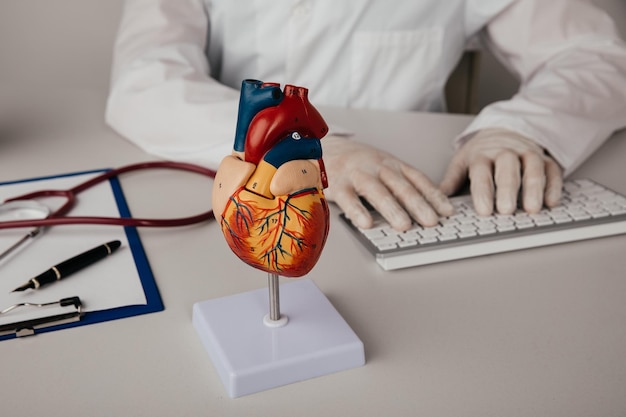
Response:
column 25, row 211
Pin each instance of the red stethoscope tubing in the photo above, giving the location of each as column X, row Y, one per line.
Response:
column 58, row 218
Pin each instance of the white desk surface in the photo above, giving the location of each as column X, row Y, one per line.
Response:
column 540, row 332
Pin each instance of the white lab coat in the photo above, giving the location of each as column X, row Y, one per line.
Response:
column 172, row 101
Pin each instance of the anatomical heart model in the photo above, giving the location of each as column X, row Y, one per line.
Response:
column 268, row 195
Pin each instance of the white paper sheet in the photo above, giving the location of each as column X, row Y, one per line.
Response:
column 111, row 282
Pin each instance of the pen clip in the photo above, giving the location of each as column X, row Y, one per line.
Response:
column 27, row 327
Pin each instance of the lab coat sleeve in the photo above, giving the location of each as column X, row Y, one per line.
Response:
column 572, row 67
column 162, row 97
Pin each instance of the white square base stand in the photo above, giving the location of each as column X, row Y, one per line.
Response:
column 251, row 356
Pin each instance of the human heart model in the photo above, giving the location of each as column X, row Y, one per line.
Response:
column 268, row 195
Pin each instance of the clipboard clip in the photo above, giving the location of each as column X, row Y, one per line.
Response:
column 27, row 327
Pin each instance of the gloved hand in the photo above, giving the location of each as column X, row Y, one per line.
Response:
column 396, row 190
column 505, row 161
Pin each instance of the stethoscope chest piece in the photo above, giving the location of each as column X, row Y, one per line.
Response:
column 23, row 210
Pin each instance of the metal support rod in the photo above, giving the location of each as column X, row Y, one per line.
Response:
column 272, row 280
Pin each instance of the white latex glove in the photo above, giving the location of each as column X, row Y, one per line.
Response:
column 504, row 161
column 395, row 189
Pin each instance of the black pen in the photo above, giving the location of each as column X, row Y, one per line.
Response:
column 65, row 268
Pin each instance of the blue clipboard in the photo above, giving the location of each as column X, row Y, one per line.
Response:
column 154, row 302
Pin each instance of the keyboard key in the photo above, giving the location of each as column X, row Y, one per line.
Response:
column 386, row 246
column 373, row 233
column 427, row 240
column 407, row 243
column 430, row 232
column 386, row 240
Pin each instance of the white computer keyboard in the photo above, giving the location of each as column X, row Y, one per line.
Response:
column 588, row 210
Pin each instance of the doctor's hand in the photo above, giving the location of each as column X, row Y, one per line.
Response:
column 395, row 189
column 504, row 161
